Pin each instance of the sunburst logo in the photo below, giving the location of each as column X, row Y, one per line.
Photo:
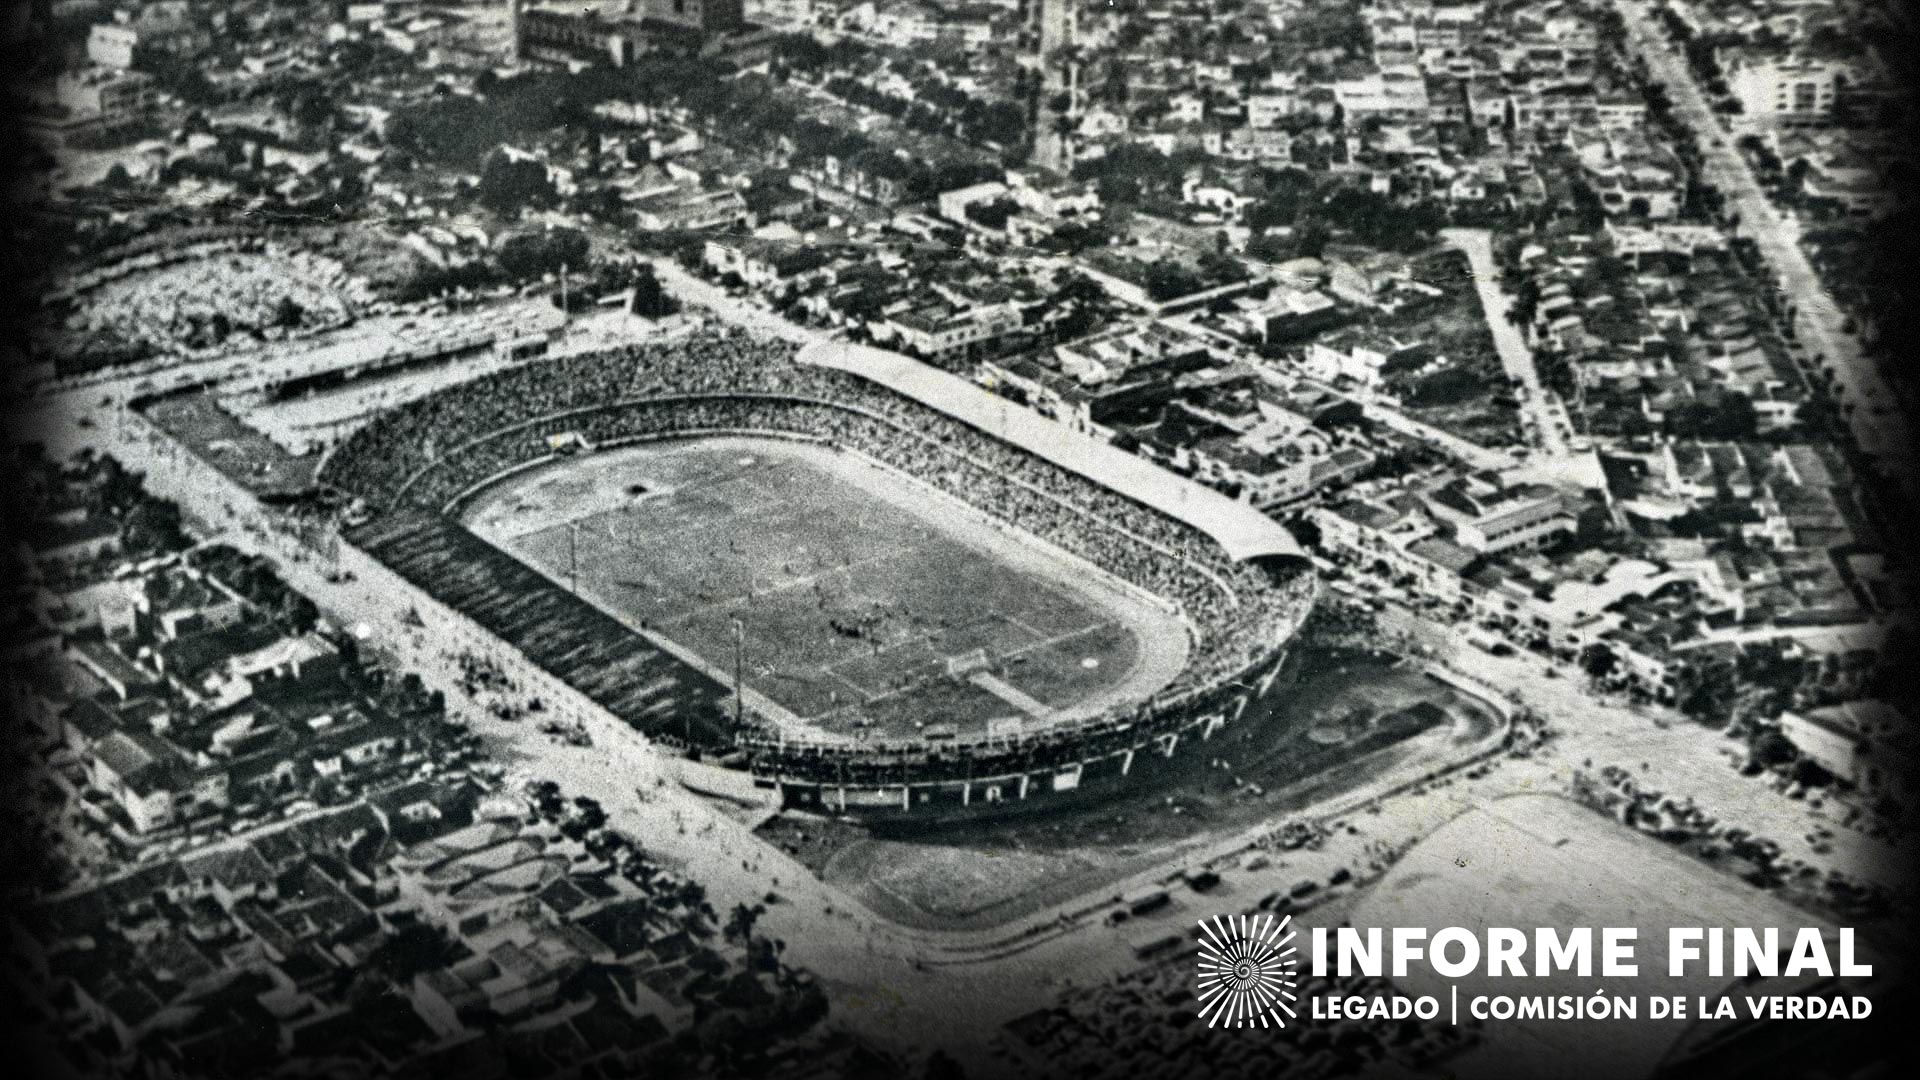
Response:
column 1246, row 971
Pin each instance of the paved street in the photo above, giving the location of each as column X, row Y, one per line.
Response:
column 1548, row 426
column 732, row 309
column 1862, row 392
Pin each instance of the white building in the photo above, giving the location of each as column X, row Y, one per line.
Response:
column 953, row 204
column 1852, row 741
column 1785, row 93
column 1489, row 517
column 937, row 335
column 108, row 96
column 112, row 45
column 1267, row 110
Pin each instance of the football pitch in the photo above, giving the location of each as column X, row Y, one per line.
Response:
column 867, row 605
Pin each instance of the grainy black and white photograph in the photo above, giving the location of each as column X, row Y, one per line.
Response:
column 958, row 539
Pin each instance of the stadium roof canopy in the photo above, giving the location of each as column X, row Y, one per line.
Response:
column 1245, row 533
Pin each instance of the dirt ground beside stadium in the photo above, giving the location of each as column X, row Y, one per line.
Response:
column 854, row 587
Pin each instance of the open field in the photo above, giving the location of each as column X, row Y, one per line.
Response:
column 852, row 586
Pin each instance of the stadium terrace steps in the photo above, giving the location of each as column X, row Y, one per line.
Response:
column 660, row 695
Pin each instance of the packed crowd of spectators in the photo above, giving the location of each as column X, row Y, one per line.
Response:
column 195, row 301
column 432, row 452
column 150, row 251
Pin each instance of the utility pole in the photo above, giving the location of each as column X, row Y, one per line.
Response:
column 739, row 655
column 573, row 559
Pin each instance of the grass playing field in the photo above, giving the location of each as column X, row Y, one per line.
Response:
column 853, row 586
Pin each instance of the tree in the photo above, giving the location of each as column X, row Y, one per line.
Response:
column 589, row 814
column 649, row 298
column 1732, row 417
column 1167, row 279
column 154, row 525
column 1810, row 773
column 529, row 255
column 297, row 613
column 939, row 1066
column 508, row 187
column 306, row 109
column 1773, row 749
column 411, row 951
column 1599, row 661
column 992, row 215
column 1710, row 694
column 740, row 922
column 1448, row 386
column 289, row 313
column 1797, row 174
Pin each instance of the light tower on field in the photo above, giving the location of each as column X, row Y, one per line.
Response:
column 739, row 673
column 513, row 28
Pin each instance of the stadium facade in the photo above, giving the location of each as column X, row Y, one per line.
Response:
column 411, row 470
column 1077, row 764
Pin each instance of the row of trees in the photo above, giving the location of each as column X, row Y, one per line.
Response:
column 459, row 132
column 941, row 110
column 538, row 254
column 1316, row 209
column 256, row 580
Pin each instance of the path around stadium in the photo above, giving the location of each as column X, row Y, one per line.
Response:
column 733, row 309
column 738, row 312
column 824, row 932
column 1661, row 748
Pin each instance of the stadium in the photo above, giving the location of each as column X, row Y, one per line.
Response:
column 841, row 582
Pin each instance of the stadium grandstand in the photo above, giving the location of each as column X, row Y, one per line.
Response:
column 1241, row 531
column 1238, row 584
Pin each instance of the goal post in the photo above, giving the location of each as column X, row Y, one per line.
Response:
column 961, row 665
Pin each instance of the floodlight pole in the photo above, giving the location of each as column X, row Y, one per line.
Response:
column 739, row 690
column 573, row 559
